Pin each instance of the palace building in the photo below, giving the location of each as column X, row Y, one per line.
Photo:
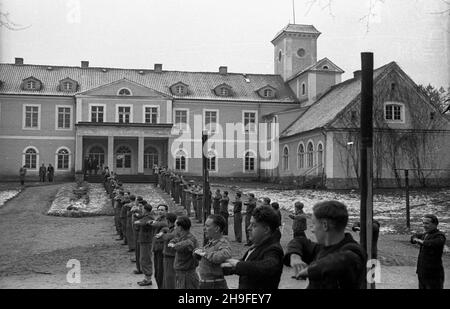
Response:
column 130, row 119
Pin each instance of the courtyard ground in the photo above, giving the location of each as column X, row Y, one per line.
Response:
column 35, row 248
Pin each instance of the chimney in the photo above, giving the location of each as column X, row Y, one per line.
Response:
column 85, row 64
column 357, row 74
column 223, row 70
column 158, row 68
column 19, row 61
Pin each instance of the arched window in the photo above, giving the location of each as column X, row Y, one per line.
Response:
column 211, row 161
column 30, row 158
column 280, row 56
column 62, row 159
column 286, row 158
column 301, row 156
column 124, row 91
column 310, row 154
column 180, row 160
column 320, row 155
column 150, row 157
column 303, row 89
column 249, row 161
column 98, row 153
column 123, row 157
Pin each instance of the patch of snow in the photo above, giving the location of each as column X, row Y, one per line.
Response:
column 7, row 195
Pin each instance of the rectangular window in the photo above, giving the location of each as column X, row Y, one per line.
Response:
column 32, row 117
column 393, row 112
column 211, row 164
column 250, row 122
column 181, row 119
column 151, row 115
column 211, row 121
column 124, row 114
column 180, row 163
column 97, row 114
column 64, row 115
column 249, row 163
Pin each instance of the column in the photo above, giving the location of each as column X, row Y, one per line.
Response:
column 111, row 153
column 78, row 153
column 141, row 155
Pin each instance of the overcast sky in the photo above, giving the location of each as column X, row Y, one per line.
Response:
column 201, row 35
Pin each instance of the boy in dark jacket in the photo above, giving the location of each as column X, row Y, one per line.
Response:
column 145, row 239
column 430, row 270
column 299, row 225
column 262, row 265
column 158, row 244
column 167, row 234
column 336, row 261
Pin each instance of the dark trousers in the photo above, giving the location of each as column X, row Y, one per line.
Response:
column 43, row 178
column 219, row 285
column 186, row 280
column 123, row 224
column 159, row 268
column 247, row 225
column 238, row 226
column 22, row 182
column 50, row 177
column 169, row 273
column 225, row 215
column 146, row 259
column 137, row 254
column 117, row 220
column 426, row 283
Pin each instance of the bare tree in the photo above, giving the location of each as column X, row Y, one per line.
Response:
column 5, row 21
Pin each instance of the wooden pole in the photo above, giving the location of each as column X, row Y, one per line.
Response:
column 366, row 153
column 205, row 173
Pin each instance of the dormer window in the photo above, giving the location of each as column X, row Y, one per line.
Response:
column 223, row 90
column 325, row 67
column 267, row 92
column 179, row 89
column 32, row 84
column 394, row 112
column 124, row 92
column 68, row 85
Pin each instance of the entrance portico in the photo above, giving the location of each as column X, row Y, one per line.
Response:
column 125, row 148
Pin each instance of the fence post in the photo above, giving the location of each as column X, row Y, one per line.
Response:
column 408, row 223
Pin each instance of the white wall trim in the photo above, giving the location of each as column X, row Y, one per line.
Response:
column 256, row 121
column 169, row 111
column 37, row 158
column 121, row 88
column 124, row 105
column 79, row 107
column 56, row 159
column 402, row 112
column 71, row 118
column 24, row 106
column 329, row 155
column 217, row 119
column 39, row 137
column 90, row 111
column 253, row 152
column 187, row 116
column 186, row 156
column 158, row 117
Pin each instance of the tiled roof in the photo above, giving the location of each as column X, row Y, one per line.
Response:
column 327, row 107
column 298, row 29
column 317, row 67
column 201, row 84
